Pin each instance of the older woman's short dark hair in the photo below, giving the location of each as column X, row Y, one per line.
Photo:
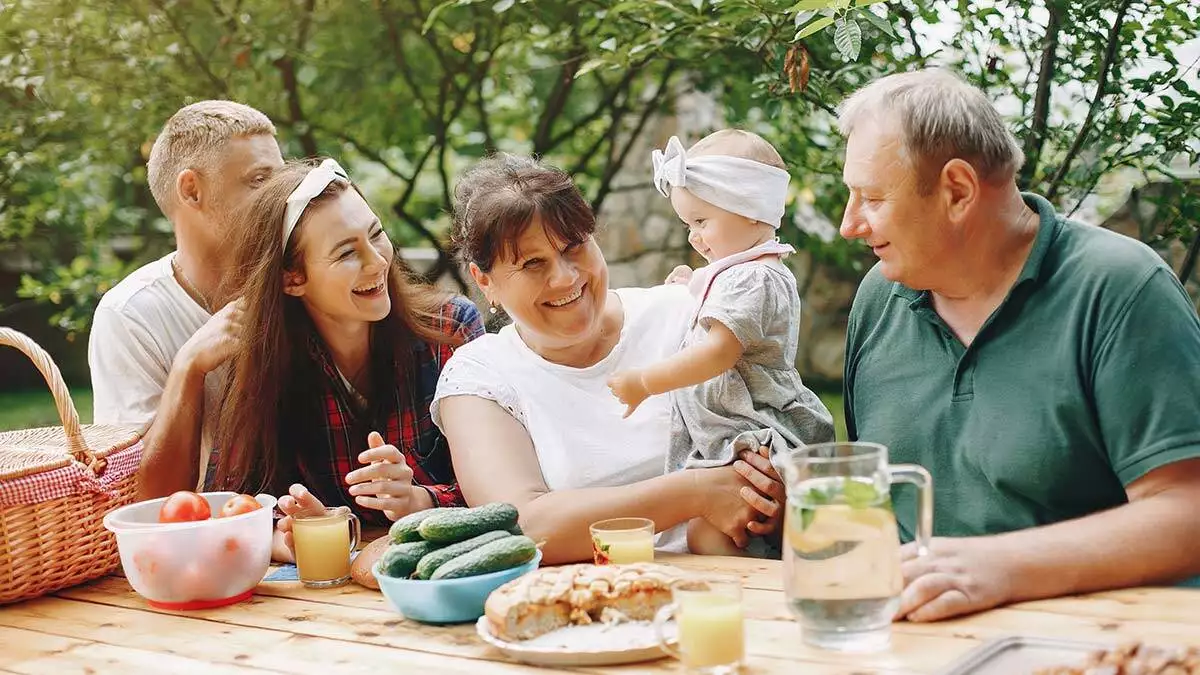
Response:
column 501, row 195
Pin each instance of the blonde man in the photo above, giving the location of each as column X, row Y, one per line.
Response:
column 160, row 336
column 1042, row 370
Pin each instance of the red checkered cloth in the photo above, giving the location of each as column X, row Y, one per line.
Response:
column 73, row 479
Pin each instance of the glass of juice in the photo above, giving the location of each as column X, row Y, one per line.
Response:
column 711, row 629
column 623, row 540
column 323, row 542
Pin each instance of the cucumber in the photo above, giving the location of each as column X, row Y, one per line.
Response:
column 405, row 529
column 435, row 559
column 399, row 560
column 447, row 527
column 498, row 555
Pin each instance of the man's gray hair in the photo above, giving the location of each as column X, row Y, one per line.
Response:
column 941, row 117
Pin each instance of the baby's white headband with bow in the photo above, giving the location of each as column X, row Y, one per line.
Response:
column 742, row 186
column 313, row 184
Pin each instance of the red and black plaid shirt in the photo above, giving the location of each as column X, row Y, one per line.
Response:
column 404, row 379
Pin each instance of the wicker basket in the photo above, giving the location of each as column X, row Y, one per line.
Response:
column 56, row 484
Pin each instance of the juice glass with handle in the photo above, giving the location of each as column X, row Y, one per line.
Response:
column 710, row 625
column 323, row 542
column 841, row 556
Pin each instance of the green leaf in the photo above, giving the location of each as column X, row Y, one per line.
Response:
column 609, row 44
column 502, row 6
column 813, row 27
column 306, row 75
column 879, row 22
column 864, row 3
column 811, row 5
column 698, row 4
column 433, row 15
column 859, row 495
column 848, row 38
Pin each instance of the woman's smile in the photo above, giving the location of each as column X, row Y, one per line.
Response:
column 372, row 290
column 567, row 300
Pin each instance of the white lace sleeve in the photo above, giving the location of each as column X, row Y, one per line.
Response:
column 465, row 375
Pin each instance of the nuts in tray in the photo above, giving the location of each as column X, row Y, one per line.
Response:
column 1134, row 658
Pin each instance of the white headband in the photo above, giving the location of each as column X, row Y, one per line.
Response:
column 742, row 186
column 313, row 184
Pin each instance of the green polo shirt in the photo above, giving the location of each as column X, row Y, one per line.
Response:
column 1082, row 381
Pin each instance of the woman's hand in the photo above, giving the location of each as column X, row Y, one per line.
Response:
column 298, row 501
column 629, row 388
column 386, row 484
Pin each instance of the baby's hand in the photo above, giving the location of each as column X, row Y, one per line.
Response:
column 682, row 274
column 628, row 388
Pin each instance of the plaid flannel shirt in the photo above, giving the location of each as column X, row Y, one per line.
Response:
column 401, row 417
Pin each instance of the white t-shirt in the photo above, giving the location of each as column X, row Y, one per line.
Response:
column 138, row 329
column 571, row 415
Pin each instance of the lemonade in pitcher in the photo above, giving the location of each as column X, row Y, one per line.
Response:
column 842, row 547
column 843, row 556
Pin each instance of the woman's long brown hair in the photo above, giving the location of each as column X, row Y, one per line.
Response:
column 276, row 330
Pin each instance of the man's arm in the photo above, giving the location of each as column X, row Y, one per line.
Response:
column 1145, row 369
column 1155, row 539
column 171, row 448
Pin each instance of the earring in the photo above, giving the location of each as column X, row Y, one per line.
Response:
column 492, row 310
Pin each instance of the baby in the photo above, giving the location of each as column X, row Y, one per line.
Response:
column 734, row 382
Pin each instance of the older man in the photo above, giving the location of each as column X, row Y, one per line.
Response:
column 159, row 337
column 1044, row 371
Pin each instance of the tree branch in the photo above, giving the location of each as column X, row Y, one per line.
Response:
column 605, row 106
column 907, row 17
column 397, row 42
column 1110, row 51
column 202, row 63
column 363, row 149
column 652, row 106
column 287, row 72
column 1041, row 101
column 557, row 100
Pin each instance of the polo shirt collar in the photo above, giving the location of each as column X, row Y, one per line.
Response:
column 1048, row 228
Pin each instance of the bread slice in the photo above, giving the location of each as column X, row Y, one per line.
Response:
column 553, row 597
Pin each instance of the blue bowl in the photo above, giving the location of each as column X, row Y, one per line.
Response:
column 446, row 600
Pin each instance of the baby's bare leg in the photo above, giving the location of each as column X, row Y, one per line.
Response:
column 705, row 539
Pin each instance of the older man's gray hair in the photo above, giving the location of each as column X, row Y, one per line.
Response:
column 941, row 117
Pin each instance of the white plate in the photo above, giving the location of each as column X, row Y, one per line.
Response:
column 592, row 645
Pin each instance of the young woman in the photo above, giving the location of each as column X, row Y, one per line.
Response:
column 330, row 390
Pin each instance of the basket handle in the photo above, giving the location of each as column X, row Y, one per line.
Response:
column 62, row 395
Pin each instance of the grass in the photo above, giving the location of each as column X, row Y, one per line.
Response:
column 833, row 401
column 35, row 408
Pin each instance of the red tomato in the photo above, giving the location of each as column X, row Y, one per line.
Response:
column 183, row 507
column 238, row 505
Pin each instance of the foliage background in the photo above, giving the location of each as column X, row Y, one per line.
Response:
column 410, row 92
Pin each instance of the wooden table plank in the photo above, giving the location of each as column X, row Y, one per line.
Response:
column 244, row 647
column 106, row 626
column 57, row 655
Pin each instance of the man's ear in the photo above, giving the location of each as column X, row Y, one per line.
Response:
column 294, row 284
column 189, row 190
column 959, row 187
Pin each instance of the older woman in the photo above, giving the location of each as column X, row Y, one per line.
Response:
column 527, row 412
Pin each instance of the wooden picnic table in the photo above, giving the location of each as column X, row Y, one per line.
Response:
column 104, row 627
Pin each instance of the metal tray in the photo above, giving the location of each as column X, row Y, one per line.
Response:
column 1021, row 655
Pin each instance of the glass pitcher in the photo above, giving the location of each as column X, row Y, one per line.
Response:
column 841, row 556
